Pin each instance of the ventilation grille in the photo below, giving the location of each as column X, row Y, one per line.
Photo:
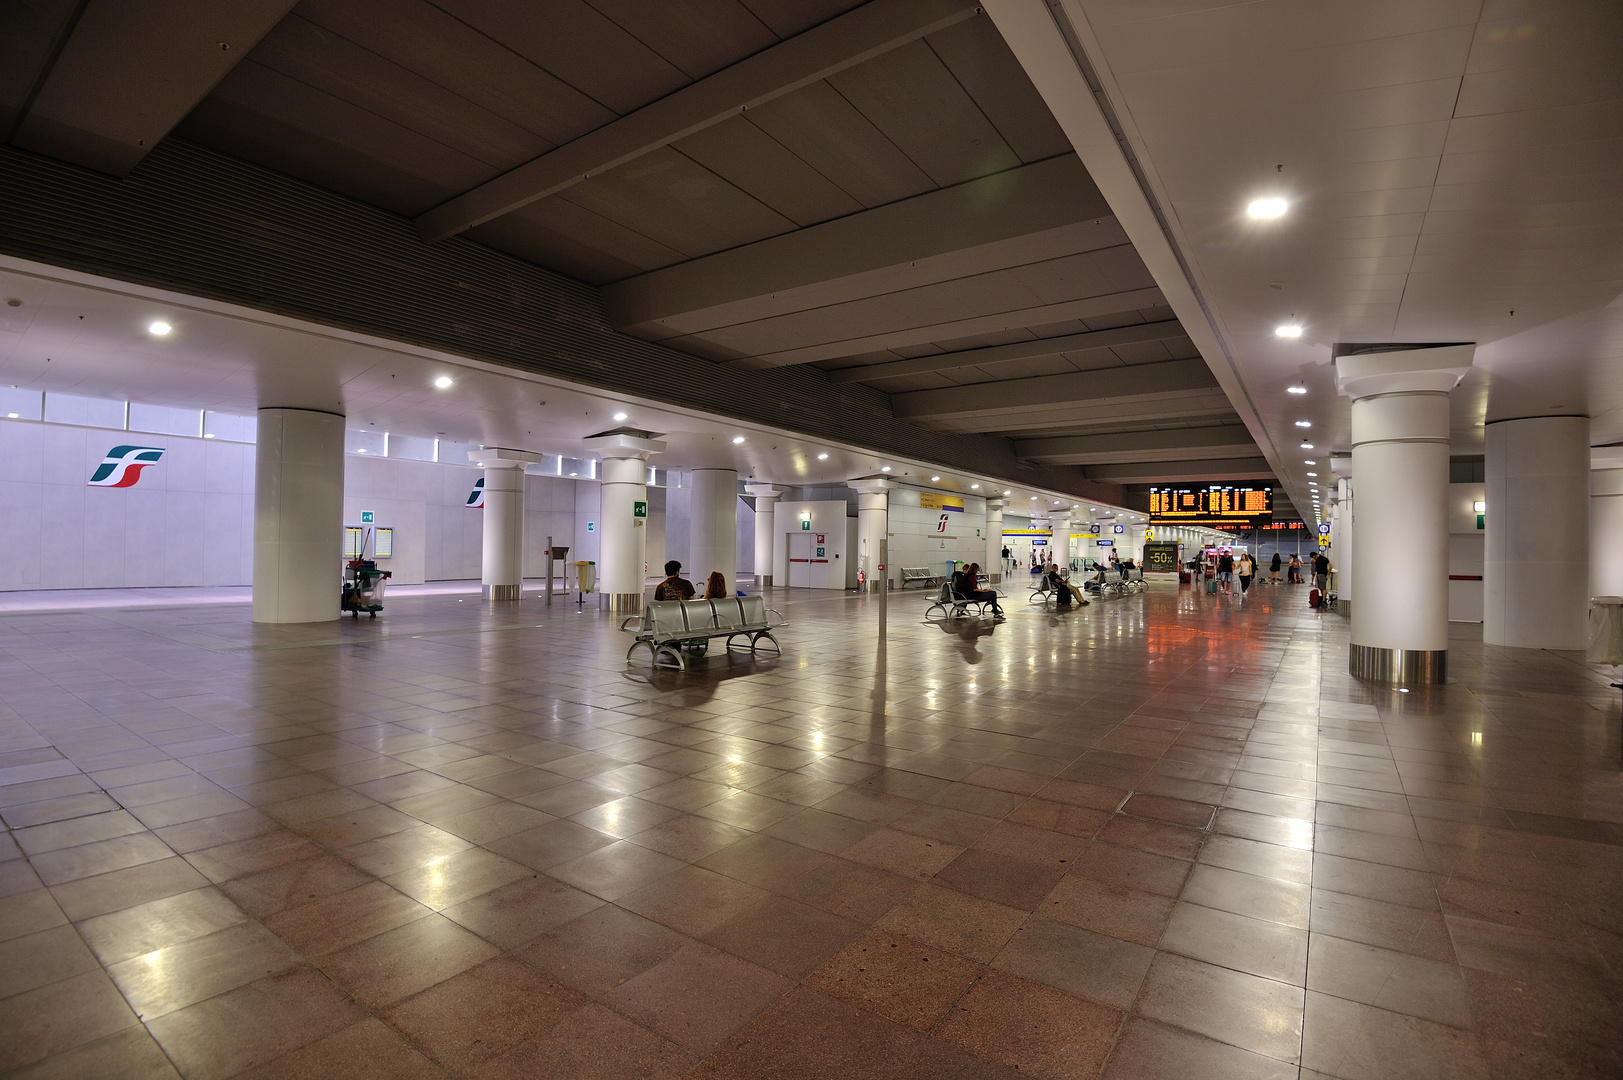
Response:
column 200, row 222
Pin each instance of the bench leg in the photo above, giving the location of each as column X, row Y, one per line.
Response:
column 755, row 642
column 674, row 651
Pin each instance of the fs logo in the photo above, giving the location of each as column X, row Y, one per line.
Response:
column 122, row 466
column 941, row 526
column 476, row 497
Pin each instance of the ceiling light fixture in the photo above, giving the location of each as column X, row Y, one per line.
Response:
column 443, row 382
column 1267, row 209
column 885, row 469
column 737, row 439
column 822, row 457
column 1305, row 446
column 619, row 416
column 159, row 328
column 974, row 487
column 1313, row 474
column 1289, row 330
column 1304, row 423
column 1309, row 462
column 1295, row 389
column 1008, row 493
column 933, row 479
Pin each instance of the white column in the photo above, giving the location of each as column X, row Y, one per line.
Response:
column 1400, row 552
column 1536, row 571
column 873, row 525
column 993, row 565
column 1606, row 522
column 623, row 537
column 501, row 574
column 1060, row 522
column 1341, row 542
column 298, row 516
column 766, row 501
column 714, row 526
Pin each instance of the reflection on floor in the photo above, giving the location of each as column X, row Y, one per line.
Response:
column 1165, row 836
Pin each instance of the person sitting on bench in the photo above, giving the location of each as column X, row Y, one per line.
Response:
column 675, row 586
column 1064, row 591
column 966, row 583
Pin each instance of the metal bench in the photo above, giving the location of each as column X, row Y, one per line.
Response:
column 920, row 574
column 949, row 605
column 665, row 626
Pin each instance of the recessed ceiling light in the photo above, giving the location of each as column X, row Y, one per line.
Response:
column 1289, row 330
column 159, row 328
column 206, row 434
column 822, row 457
column 737, row 439
column 885, row 469
column 11, row 416
column 619, row 416
column 1313, row 474
column 933, row 479
column 1264, row 209
column 1034, row 498
column 1307, row 446
column 1304, row 423
column 1309, row 462
column 443, row 382
column 974, row 487
column 1295, row 389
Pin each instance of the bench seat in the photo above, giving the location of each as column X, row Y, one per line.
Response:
column 666, row 626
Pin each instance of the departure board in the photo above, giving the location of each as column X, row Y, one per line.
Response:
column 1214, row 504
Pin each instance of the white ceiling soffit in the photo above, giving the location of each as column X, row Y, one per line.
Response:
column 1054, row 61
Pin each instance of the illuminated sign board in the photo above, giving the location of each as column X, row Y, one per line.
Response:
column 1214, row 504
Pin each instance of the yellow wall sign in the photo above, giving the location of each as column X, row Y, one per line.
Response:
column 929, row 500
column 1028, row 532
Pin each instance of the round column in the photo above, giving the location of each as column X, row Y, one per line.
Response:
column 873, row 525
column 1060, row 542
column 993, row 565
column 1606, row 522
column 766, row 502
column 623, row 538
column 1341, row 542
column 1400, row 550
column 298, row 516
column 714, row 526
column 501, row 574
column 1536, row 567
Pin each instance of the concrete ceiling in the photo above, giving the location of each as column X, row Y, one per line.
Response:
column 1452, row 172
column 874, row 189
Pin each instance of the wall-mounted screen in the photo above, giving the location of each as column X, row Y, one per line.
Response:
column 353, row 540
column 1212, row 504
column 383, row 543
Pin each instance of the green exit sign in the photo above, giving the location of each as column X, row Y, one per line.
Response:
column 805, row 526
column 639, row 509
column 366, row 517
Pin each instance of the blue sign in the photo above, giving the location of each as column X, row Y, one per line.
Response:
column 1105, row 543
column 1039, row 542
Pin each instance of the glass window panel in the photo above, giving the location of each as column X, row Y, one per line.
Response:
column 88, row 411
column 21, row 404
column 165, row 420
column 366, row 442
column 230, row 427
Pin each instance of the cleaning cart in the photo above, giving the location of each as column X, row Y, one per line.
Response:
column 363, row 587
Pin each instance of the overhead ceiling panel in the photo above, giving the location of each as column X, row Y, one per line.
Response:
column 698, row 37
column 753, row 161
column 980, row 60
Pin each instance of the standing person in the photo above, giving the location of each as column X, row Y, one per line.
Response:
column 1248, row 570
column 1225, row 569
column 1273, row 570
column 675, row 586
column 715, row 586
column 1321, row 573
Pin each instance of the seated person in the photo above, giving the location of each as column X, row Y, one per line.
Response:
column 675, row 586
column 715, row 586
column 972, row 578
column 1127, row 568
column 1064, row 591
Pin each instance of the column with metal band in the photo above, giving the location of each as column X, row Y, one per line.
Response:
column 1536, row 567
column 873, row 525
column 713, row 528
column 1400, row 465
column 993, row 564
column 766, row 501
column 623, row 541
column 1606, row 521
column 1341, row 540
column 298, row 516
column 501, row 574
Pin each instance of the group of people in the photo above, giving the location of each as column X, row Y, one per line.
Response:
column 966, row 583
column 1245, row 568
column 677, row 587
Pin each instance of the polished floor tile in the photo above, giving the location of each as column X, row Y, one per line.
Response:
column 1165, row 837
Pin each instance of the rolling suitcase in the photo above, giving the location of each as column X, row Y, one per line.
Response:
column 1313, row 598
column 1211, row 584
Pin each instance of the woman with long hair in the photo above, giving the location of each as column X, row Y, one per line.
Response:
column 715, row 587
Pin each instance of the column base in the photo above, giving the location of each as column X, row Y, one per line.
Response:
column 1404, row 666
column 1344, row 607
column 620, row 603
column 763, row 581
column 502, row 592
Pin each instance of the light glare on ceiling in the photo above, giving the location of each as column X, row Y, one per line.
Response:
column 822, row 457
column 159, row 328
column 1289, row 330
column 885, row 469
column 1295, row 389
column 1304, row 423
column 443, row 382
column 1309, row 462
column 1307, row 446
column 737, row 439
column 1265, row 209
column 619, row 416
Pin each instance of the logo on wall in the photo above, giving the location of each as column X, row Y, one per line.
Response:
column 122, row 466
column 941, row 526
column 476, row 497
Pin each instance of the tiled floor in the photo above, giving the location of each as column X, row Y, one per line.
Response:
column 1164, row 836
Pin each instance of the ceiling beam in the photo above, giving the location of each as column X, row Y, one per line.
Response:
column 1182, row 406
column 128, row 73
column 1088, row 388
column 1180, row 472
column 1096, row 340
column 1046, row 210
column 871, row 30
column 1160, row 444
